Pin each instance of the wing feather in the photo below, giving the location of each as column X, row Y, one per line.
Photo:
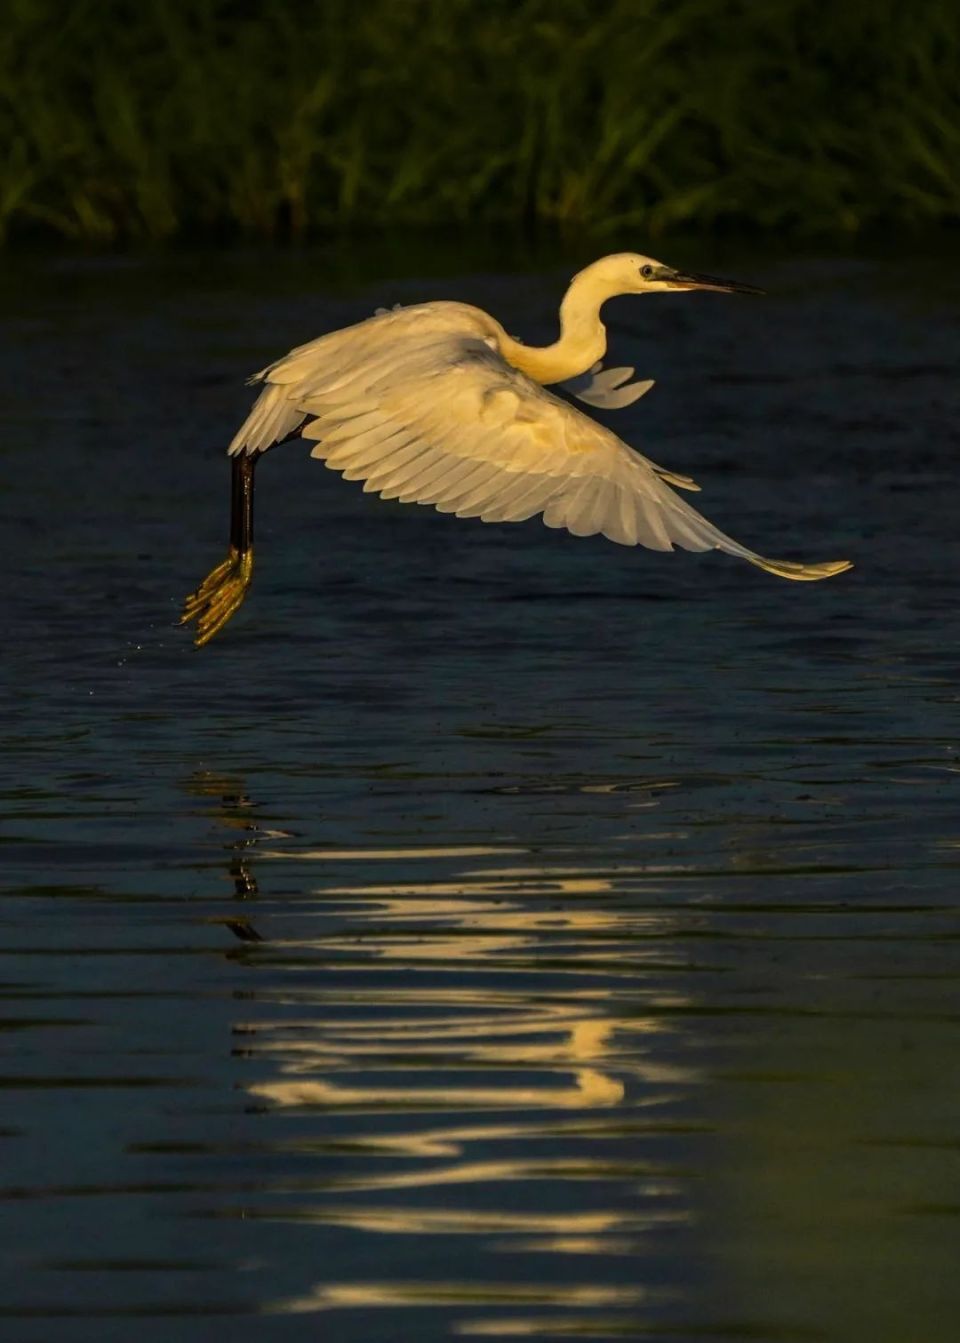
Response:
column 459, row 487
column 401, row 481
column 594, row 507
column 385, row 473
column 521, row 499
column 370, row 452
column 482, row 490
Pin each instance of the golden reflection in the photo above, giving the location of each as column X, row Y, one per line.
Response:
column 474, row 921
column 577, row 1245
column 553, row 1327
column 582, row 1054
column 476, row 1039
column 337, row 1295
column 590, row 1088
column 495, row 926
column 469, row 1221
column 444, row 851
column 478, row 887
column 506, row 1172
column 601, row 1232
column 596, row 1052
column 480, row 1034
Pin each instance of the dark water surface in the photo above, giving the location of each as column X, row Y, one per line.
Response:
column 492, row 933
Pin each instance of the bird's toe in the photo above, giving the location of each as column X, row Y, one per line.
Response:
column 219, row 596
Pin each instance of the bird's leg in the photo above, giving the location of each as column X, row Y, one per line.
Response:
column 225, row 587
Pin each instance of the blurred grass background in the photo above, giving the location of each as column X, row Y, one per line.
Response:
column 146, row 120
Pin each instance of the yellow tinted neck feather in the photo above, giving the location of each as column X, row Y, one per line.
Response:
column 583, row 337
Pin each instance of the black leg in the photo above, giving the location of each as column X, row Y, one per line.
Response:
column 241, row 504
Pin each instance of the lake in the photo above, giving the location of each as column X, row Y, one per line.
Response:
column 491, row 934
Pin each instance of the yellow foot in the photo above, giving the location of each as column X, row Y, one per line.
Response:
column 219, row 595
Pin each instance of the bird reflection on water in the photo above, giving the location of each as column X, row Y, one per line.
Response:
column 444, row 1042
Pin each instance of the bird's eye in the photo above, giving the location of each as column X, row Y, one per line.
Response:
column 646, row 272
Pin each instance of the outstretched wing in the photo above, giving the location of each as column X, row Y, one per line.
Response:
column 438, row 417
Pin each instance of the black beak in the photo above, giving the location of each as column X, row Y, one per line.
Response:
column 690, row 280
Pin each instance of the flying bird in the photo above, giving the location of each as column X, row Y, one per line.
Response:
column 436, row 404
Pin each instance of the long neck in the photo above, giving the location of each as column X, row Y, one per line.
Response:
column 583, row 337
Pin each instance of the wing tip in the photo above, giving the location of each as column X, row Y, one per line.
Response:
column 802, row 573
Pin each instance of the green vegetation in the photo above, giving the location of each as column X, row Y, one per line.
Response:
column 153, row 119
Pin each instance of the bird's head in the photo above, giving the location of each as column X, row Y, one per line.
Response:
column 631, row 273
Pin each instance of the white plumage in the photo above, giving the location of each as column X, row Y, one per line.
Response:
column 435, row 404
column 420, row 405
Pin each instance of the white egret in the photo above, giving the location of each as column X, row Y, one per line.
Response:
column 436, row 404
